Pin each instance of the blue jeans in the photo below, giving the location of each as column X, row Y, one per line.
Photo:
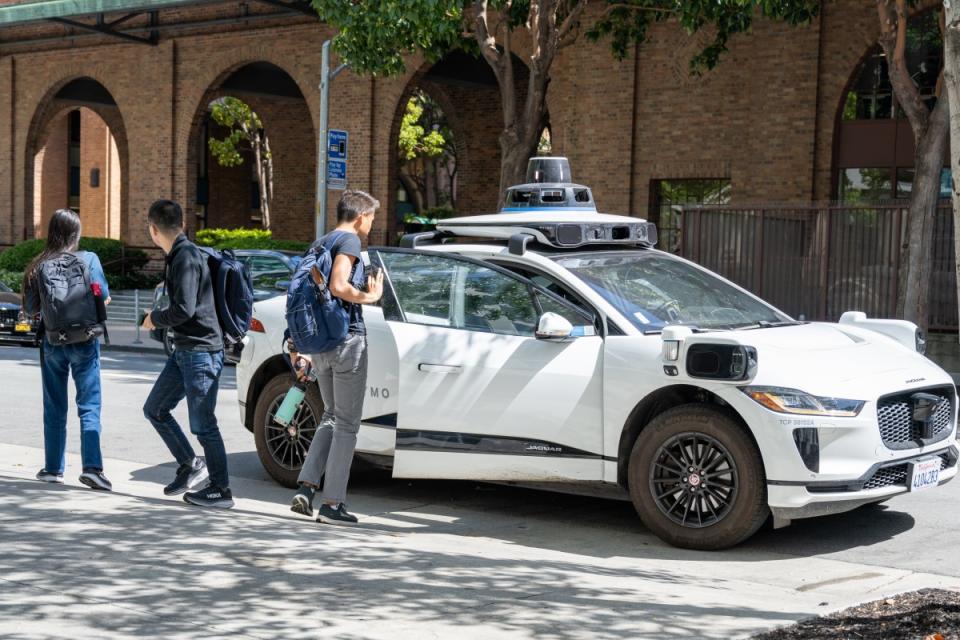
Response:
column 194, row 375
column 56, row 364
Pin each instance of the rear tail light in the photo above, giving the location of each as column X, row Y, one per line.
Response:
column 256, row 325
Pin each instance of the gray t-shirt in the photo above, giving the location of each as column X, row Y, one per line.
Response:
column 337, row 242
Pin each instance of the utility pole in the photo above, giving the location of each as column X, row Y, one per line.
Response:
column 326, row 77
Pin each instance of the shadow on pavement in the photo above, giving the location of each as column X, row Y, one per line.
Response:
column 170, row 570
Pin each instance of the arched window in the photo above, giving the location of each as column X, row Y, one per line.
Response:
column 874, row 143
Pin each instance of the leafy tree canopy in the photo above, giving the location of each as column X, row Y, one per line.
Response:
column 241, row 121
column 415, row 141
column 374, row 37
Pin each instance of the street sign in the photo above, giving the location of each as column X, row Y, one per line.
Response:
column 337, row 174
column 337, row 144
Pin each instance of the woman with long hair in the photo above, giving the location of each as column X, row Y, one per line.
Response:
column 79, row 357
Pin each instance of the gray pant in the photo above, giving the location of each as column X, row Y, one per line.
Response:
column 342, row 376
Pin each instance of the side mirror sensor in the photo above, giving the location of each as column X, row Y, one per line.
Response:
column 554, row 327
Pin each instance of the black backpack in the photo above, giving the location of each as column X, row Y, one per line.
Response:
column 232, row 293
column 70, row 310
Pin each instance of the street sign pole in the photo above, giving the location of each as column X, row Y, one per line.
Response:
column 321, row 208
column 326, row 76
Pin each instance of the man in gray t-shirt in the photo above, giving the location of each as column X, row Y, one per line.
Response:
column 342, row 371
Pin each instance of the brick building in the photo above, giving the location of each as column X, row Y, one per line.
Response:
column 107, row 112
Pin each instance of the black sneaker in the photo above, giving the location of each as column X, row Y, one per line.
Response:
column 210, row 496
column 45, row 476
column 328, row 514
column 303, row 501
column 188, row 476
column 95, row 479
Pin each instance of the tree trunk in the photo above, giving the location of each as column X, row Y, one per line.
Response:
column 951, row 76
column 412, row 188
column 916, row 262
column 515, row 150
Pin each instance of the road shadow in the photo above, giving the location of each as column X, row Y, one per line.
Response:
column 170, row 570
column 596, row 527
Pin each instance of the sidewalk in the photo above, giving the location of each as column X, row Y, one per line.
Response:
column 82, row 564
column 123, row 337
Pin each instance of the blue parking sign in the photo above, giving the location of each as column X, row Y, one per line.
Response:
column 336, row 174
column 337, row 144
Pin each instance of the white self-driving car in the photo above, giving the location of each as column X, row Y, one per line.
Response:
column 556, row 347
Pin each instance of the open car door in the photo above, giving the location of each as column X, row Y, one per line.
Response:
column 481, row 396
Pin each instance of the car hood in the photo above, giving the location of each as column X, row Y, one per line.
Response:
column 834, row 360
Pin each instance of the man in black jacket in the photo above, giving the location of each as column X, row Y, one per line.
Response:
column 193, row 369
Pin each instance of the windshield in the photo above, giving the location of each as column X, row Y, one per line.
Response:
column 653, row 290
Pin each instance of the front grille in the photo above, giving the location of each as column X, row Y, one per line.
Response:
column 8, row 316
column 895, row 419
column 897, row 474
column 889, row 476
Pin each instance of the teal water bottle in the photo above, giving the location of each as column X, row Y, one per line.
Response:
column 291, row 402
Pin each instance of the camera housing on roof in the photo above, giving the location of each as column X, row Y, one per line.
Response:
column 549, row 186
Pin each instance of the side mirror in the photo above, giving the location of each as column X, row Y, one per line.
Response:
column 282, row 285
column 554, row 327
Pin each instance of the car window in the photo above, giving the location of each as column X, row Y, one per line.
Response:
column 261, row 264
column 444, row 291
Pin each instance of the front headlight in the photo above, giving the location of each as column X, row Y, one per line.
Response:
column 921, row 342
column 797, row 402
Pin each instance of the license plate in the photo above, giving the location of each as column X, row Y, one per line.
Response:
column 22, row 327
column 924, row 474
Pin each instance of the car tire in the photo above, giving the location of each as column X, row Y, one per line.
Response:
column 283, row 458
column 718, row 505
column 168, row 346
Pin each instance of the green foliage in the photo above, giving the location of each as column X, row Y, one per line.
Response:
column 215, row 237
column 13, row 279
column 115, row 258
column 247, row 239
column 414, row 141
column 240, row 120
column 626, row 23
column 17, row 258
column 430, row 216
column 374, row 37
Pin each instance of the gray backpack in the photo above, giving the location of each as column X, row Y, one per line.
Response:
column 69, row 308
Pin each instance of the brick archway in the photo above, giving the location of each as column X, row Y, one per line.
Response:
column 50, row 111
column 472, row 105
column 223, row 195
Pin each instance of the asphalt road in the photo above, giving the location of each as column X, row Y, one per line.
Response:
column 915, row 532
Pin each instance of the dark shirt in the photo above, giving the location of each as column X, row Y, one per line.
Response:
column 348, row 244
column 192, row 313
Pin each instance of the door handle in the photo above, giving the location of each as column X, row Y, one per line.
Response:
column 426, row 367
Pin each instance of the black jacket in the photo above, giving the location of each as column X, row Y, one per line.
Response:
column 191, row 313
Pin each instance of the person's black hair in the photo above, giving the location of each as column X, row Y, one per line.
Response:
column 353, row 204
column 63, row 235
column 166, row 215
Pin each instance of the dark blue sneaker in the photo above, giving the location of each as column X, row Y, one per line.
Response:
column 95, row 479
column 302, row 502
column 45, row 476
column 329, row 514
column 188, row 476
column 210, row 496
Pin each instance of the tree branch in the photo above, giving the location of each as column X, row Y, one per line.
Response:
column 893, row 40
column 488, row 43
column 572, row 20
column 633, row 7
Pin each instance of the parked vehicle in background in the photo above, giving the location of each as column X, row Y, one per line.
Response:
column 13, row 326
column 269, row 269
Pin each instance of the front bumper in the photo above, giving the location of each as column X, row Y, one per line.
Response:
column 795, row 500
column 8, row 335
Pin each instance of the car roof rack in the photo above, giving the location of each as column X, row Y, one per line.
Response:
column 414, row 240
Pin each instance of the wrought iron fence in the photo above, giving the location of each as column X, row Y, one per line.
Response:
column 819, row 261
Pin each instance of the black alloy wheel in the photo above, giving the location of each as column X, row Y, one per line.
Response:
column 694, row 480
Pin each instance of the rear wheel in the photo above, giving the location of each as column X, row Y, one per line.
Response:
column 696, row 479
column 282, row 450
